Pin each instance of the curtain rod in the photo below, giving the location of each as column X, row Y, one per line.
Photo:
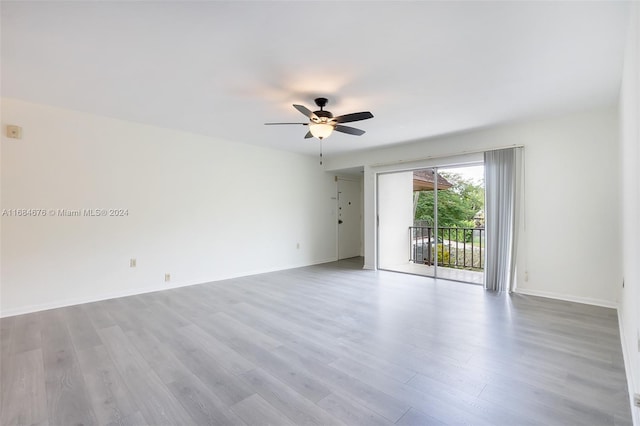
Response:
column 432, row 157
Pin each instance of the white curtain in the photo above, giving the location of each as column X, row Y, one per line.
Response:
column 501, row 168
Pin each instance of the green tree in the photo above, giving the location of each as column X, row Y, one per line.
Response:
column 457, row 205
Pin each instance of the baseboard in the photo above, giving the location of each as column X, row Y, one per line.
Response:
column 81, row 300
column 568, row 298
column 142, row 290
column 631, row 387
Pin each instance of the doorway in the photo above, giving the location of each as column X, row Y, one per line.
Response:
column 431, row 222
column 349, row 218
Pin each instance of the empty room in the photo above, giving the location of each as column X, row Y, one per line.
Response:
column 320, row 213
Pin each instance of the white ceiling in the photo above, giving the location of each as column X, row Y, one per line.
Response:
column 224, row 68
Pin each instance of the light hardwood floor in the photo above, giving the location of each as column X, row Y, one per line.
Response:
column 462, row 275
column 323, row 345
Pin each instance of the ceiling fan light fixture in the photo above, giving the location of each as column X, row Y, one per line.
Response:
column 322, row 123
column 320, row 130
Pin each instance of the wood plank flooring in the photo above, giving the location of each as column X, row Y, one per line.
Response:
column 323, row 345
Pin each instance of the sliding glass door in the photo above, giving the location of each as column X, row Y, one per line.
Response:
column 431, row 222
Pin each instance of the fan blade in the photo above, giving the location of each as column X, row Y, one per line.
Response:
column 277, row 124
column 306, row 111
column 349, row 130
column 308, row 135
column 356, row 116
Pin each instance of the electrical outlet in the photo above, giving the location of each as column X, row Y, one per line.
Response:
column 132, row 262
column 167, row 277
column 526, row 276
column 298, row 246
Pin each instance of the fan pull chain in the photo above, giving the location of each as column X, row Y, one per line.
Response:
column 321, row 152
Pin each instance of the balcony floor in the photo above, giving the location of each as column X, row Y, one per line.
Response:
column 445, row 273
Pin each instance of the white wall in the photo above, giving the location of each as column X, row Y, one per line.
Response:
column 395, row 211
column 571, row 248
column 630, row 187
column 198, row 208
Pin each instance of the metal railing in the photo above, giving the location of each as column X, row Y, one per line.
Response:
column 461, row 248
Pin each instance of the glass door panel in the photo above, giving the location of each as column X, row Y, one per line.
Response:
column 460, row 219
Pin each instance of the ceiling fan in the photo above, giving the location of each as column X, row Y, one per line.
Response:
column 322, row 123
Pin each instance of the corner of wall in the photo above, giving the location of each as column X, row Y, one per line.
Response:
column 631, row 386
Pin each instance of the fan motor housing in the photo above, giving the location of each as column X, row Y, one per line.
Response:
column 323, row 114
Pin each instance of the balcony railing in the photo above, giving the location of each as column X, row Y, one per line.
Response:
column 461, row 248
